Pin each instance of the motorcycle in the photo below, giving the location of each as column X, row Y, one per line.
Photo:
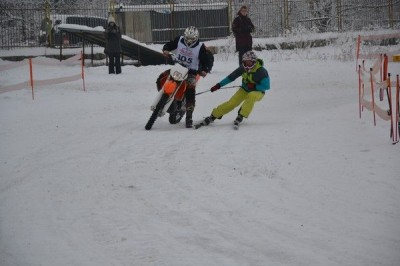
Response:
column 170, row 98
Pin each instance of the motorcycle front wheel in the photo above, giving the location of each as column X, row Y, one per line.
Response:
column 160, row 105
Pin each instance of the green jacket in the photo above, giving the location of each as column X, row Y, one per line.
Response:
column 257, row 79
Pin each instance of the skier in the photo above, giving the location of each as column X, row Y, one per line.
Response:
column 191, row 53
column 255, row 81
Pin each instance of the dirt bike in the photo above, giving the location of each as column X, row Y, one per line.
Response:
column 170, row 98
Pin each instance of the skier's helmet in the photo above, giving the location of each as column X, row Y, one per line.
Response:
column 190, row 36
column 249, row 60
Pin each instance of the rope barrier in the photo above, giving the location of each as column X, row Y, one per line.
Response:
column 72, row 61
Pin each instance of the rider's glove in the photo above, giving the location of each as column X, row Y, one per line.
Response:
column 203, row 74
column 215, row 87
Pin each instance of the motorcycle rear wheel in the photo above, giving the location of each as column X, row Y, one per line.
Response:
column 176, row 112
column 176, row 117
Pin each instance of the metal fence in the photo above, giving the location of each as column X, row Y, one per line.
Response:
column 33, row 23
column 160, row 23
column 274, row 18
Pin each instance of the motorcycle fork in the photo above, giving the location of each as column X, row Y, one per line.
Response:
column 175, row 90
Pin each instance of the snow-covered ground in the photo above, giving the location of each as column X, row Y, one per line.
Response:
column 303, row 182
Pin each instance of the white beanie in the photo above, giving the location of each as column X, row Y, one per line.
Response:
column 110, row 19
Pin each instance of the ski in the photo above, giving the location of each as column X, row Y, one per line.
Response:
column 205, row 122
column 199, row 125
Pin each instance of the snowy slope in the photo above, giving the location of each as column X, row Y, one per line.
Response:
column 303, row 182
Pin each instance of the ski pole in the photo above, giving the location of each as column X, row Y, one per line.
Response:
column 220, row 88
column 202, row 92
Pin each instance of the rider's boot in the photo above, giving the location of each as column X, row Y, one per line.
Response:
column 189, row 120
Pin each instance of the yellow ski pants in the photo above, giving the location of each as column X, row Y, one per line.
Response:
column 248, row 99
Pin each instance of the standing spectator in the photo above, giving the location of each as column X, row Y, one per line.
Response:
column 242, row 28
column 113, row 46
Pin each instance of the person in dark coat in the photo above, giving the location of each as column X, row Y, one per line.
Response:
column 113, row 46
column 242, row 27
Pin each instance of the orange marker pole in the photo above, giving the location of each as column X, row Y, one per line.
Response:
column 385, row 66
column 358, row 49
column 372, row 93
column 31, row 77
column 83, row 72
column 397, row 109
column 389, row 95
column 359, row 90
column 381, row 68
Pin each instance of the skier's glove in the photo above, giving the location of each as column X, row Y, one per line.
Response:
column 215, row 87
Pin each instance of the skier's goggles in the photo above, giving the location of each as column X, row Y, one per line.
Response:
column 248, row 64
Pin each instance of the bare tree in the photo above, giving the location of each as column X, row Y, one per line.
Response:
column 321, row 11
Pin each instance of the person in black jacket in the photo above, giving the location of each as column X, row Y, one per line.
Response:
column 242, row 27
column 191, row 53
column 113, row 46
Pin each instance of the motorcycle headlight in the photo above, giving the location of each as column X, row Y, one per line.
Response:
column 177, row 75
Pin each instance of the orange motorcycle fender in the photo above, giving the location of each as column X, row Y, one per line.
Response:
column 169, row 86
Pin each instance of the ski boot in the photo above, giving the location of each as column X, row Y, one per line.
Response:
column 205, row 122
column 237, row 121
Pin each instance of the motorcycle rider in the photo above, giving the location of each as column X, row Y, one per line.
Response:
column 191, row 53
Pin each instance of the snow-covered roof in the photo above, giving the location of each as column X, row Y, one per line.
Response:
column 79, row 28
column 167, row 7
